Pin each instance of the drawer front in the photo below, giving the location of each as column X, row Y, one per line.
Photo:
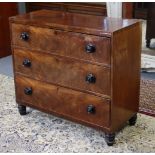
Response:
column 63, row 71
column 76, row 45
column 74, row 104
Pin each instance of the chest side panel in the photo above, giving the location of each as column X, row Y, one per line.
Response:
column 126, row 50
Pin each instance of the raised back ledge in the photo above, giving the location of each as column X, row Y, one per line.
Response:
column 75, row 22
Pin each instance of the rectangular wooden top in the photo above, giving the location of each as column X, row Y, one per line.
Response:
column 81, row 23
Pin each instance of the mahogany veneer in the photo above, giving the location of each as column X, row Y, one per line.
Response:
column 80, row 67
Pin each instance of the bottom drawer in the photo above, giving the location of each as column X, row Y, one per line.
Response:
column 62, row 101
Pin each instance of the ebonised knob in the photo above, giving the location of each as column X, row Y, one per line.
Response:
column 91, row 109
column 90, row 78
column 28, row 91
column 24, row 36
column 90, row 48
column 27, row 63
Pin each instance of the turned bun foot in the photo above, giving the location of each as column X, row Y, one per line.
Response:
column 110, row 138
column 132, row 120
column 22, row 109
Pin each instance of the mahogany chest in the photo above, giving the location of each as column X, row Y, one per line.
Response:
column 80, row 67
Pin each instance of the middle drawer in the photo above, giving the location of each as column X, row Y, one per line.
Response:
column 63, row 71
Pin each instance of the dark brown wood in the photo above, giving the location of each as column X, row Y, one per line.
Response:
column 127, row 10
column 6, row 10
column 140, row 10
column 63, row 101
column 137, row 10
column 61, row 43
column 83, row 8
column 52, row 76
column 65, row 72
column 80, row 23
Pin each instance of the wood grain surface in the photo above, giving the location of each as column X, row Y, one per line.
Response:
column 63, row 43
column 125, row 75
column 81, row 23
column 63, row 101
column 63, row 71
column 60, row 64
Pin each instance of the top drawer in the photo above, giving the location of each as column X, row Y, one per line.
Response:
column 76, row 45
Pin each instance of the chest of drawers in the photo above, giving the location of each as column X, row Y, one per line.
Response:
column 80, row 67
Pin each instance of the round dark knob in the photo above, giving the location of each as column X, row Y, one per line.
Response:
column 24, row 36
column 28, row 91
column 91, row 109
column 27, row 63
column 90, row 48
column 90, row 78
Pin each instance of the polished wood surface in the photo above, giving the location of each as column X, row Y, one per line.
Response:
column 83, row 8
column 63, row 101
column 126, row 47
column 59, row 70
column 6, row 10
column 61, row 43
column 89, row 24
column 63, row 71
